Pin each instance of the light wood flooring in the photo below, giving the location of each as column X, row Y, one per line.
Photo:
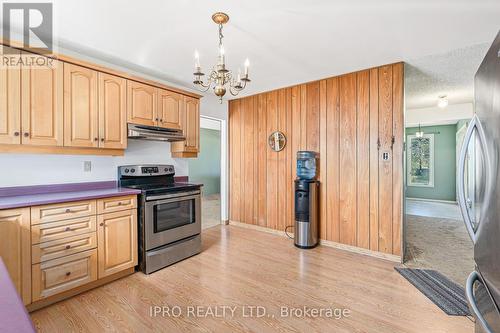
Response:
column 241, row 267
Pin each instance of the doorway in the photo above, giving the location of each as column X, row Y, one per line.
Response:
column 208, row 169
column 438, row 108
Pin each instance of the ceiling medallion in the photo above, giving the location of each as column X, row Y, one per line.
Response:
column 220, row 77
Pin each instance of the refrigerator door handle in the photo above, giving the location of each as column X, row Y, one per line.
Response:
column 473, row 277
column 462, row 202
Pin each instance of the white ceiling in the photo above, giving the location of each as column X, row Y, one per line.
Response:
column 287, row 42
column 449, row 74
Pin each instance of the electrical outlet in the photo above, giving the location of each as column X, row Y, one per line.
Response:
column 87, row 166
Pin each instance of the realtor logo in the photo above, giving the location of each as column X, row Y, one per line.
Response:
column 36, row 24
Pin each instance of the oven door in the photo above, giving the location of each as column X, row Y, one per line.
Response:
column 171, row 217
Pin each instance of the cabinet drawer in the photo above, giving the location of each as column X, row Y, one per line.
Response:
column 63, row 247
column 110, row 205
column 58, row 275
column 46, row 232
column 62, row 211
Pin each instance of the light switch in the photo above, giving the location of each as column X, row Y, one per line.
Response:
column 87, row 166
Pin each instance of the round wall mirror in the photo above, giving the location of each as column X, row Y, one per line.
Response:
column 277, row 141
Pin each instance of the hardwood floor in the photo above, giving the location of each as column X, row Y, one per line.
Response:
column 241, row 267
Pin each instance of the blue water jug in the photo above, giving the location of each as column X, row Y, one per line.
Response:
column 306, row 164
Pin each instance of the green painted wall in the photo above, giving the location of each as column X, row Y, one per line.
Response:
column 444, row 164
column 206, row 168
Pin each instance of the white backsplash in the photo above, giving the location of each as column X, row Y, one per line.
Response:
column 32, row 169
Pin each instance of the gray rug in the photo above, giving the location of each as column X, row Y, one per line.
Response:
column 446, row 294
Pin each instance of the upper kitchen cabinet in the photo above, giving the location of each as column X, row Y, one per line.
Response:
column 69, row 106
column 10, row 100
column 190, row 122
column 112, row 111
column 80, row 107
column 42, row 104
column 170, row 108
column 141, row 104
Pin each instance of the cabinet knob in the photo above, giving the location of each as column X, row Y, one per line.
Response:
column 119, row 203
column 161, row 120
column 16, row 133
column 26, row 134
column 156, row 119
column 101, row 224
column 68, row 273
column 68, row 247
column 96, row 139
column 67, row 229
column 102, row 139
column 68, row 210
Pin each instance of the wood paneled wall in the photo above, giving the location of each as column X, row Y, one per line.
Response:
column 351, row 121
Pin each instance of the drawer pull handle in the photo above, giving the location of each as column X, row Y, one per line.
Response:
column 68, row 210
column 68, row 229
column 68, row 247
column 68, row 273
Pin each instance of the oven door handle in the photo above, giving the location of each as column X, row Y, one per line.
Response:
column 170, row 200
column 173, row 196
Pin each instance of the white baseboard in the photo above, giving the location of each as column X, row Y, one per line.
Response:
column 432, row 200
column 338, row 246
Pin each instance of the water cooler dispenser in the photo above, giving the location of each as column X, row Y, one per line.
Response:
column 306, row 201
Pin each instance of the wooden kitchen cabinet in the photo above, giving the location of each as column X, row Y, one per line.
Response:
column 15, row 248
column 190, row 121
column 81, row 127
column 10, row 100
column 112, row 111
column 141, row 104
column 117, row 242
column 42, row 104
column 55, row 276
column 170, row 109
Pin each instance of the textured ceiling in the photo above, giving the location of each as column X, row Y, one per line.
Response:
column 288, row 42
column 450, row 74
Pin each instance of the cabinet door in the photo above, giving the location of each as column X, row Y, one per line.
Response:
column 192, row 125
column 141, row 104
column 15, row 248
column 117, row 242
column 80, row 107
column 10, row 99
column 112, row 112
column 42, row 104
column 170, row 106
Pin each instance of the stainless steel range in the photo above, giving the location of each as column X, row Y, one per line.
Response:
column 169, row 215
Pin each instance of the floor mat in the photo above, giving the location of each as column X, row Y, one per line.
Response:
column 446, row 294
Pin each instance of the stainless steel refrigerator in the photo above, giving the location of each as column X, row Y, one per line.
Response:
column 479, row 192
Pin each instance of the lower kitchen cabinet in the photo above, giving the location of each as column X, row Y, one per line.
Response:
column 117, row 239
column 55, row 276
column 57, row 250
column 15, row 248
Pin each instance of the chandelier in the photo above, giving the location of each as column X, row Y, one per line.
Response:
column 220, row 77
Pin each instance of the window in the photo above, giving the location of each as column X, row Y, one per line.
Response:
column 420, row 165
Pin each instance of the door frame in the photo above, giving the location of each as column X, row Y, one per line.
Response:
column 220, row 124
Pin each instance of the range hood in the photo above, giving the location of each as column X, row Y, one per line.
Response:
column 154, row 133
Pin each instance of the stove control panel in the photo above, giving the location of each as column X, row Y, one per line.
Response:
column 146, row 170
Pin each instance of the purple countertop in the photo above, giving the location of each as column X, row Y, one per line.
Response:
column 13, row 197
column 13, row 314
